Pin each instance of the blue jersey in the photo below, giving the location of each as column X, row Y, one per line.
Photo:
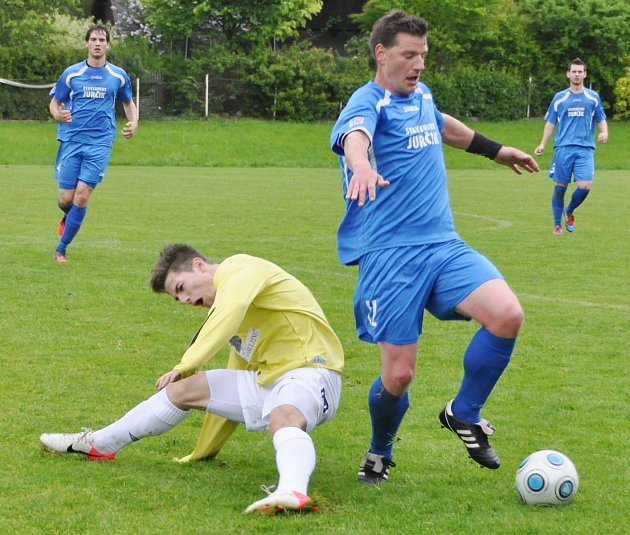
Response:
column 406, row 149
column 91, row 93
column 575, row 115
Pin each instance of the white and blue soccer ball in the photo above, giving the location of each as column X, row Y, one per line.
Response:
column 547, row 477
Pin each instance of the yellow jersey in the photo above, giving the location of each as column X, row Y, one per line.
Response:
column 271, row 321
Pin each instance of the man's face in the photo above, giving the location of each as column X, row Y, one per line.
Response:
column 576, row 74
column 194, row 287
column 97, row 45
column 399, row 67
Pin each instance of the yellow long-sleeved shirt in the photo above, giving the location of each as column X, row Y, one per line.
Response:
column 271, row 321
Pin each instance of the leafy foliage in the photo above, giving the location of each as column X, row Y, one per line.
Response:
column 622, row 96
column 596, row 31
column 239, row 22
column 491, row 59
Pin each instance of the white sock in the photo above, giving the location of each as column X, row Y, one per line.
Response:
column 152, row 417
column 295, row 458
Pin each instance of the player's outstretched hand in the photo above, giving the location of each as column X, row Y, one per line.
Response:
column 364, row 183
column 167, row 378
column 517, row 160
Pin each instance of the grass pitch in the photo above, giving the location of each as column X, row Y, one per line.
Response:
column 85, row 341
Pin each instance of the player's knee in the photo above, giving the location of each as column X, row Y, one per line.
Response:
column 81, row 200
column 508, row 323
column 398, row 380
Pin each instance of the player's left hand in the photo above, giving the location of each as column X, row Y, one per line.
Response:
column 602, row 137
column 517, row 160
column 167, row 378
column 129, row 129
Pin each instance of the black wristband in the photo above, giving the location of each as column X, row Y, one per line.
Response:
column 480, row 144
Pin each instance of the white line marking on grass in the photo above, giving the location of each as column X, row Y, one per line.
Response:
column 499, row 223
column 564, row 300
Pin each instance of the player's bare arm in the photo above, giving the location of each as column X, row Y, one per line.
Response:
column 455, row 133
column 131, row 112
column 364, row 178
column 603, row 131
column 458, row 135
column 547, row 133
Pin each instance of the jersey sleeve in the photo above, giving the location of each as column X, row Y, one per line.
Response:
column 125, row 93
column 600, row 114
column 61, row 91
column 552, row 116
column 237, row 286
column 359, row 114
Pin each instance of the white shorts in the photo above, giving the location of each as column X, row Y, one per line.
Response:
column 235, row 395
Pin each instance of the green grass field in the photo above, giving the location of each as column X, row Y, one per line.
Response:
column 85, row 341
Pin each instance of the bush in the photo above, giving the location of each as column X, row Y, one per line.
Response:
column 478, row 94
column 622, row 96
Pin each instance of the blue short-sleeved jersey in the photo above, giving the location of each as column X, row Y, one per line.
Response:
column 406, row 149
column 575, row 115
column 91, row 94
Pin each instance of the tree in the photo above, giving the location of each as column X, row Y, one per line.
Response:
column 240, row 22
column 597, row 31
column 456, row 28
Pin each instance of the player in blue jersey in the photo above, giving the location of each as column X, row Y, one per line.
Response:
column 399, row 229
column 83, row 102
column 575, row 111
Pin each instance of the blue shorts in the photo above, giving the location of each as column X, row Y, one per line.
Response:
column 80, row 161
column 576, row 161
column 396, row 285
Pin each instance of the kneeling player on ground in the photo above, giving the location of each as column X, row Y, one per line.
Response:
column 288, row 360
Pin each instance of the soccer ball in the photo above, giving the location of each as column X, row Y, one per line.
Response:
column 547, row 477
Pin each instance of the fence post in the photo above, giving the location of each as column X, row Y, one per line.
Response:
column 207, row 83
column 138, row 97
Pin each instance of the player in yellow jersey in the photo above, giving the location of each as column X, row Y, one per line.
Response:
column 284, row 370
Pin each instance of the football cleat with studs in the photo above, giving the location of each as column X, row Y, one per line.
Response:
column 81, row 443
column 282, row 501
column 474, row 437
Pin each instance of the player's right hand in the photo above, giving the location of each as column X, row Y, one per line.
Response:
column 365, row 183
column 167, row 378
column 63, row 115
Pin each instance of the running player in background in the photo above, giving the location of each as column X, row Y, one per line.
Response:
column 399, row 229
column 83, row 102
column 284, row 370
column 575, row 111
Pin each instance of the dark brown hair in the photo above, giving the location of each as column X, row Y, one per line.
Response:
column 394, row 22
column 97, row 28
column 175, row 257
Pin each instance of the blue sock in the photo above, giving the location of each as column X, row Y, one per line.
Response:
column 557, row 204
column 386, row 413
column 74, row 219
column 577, row 198
column 484, row 361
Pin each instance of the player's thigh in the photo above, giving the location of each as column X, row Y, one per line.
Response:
column 584, row 167
column 391, row 293
column 461, row 270
column 494, row 305
column 314, row 392
column 94, row 163
column 68, row 166
column 561, row 166
column 225, row 398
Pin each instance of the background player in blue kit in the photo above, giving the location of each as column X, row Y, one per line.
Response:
column 403, row 239
column 575, row 111
column 83, row 101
